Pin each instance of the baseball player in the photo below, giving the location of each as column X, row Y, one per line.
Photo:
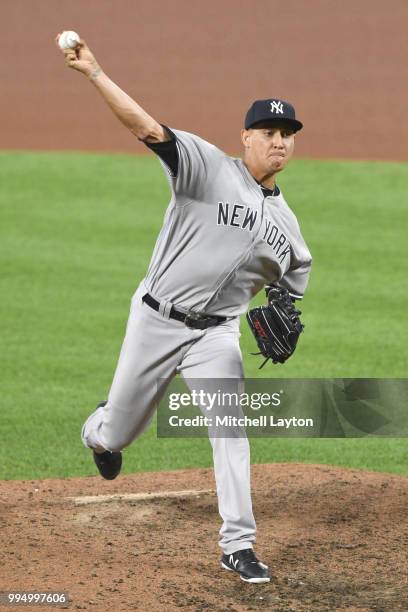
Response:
column 227, row 233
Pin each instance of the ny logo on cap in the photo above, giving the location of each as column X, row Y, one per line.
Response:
column 276, row 107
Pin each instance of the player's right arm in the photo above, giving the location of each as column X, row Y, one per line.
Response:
column 133, row 116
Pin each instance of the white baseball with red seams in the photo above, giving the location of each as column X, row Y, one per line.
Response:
column 68, row 40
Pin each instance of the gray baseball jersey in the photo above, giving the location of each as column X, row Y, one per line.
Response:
column 222, row 240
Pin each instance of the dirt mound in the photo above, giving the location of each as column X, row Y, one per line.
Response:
column 335, row 539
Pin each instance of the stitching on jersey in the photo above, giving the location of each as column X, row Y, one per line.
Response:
column 154, row 265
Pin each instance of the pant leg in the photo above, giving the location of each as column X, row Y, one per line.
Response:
column 217, row 355
column 148, row 360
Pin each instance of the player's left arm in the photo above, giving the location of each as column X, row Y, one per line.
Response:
column 296, row 277
column 295, row 280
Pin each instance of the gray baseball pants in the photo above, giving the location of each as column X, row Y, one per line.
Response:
column 154, row 350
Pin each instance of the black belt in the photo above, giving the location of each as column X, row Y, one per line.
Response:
column 194, row 320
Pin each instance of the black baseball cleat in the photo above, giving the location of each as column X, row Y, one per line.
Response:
column 245, row 563
column 108, row 463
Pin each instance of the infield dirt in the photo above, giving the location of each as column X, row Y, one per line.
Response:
column 335, row 539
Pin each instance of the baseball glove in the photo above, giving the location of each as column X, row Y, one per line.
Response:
column 276, row 326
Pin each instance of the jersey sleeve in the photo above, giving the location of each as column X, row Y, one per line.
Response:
column 198, row 162
column 167, row 152
column 296, row 279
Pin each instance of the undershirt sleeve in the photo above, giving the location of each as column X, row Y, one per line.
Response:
column 167, row 151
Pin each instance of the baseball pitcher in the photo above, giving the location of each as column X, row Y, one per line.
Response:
column 227, row 234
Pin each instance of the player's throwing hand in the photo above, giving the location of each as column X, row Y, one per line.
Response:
column 80, row 58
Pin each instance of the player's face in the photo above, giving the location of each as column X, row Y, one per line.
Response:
column 268, row 148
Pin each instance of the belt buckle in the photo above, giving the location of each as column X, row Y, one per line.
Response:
column 195, row 320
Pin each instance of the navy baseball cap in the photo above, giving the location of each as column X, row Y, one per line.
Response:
column 272, row 109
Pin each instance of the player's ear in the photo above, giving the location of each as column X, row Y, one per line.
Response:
column 245, row 135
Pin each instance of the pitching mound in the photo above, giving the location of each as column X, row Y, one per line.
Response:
column 335, row 539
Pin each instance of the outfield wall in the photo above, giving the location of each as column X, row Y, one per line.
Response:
column 197, row 65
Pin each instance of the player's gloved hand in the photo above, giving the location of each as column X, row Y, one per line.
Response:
column 276, row 326
column 81, row 58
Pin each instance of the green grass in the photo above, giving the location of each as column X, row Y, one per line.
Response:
column 77, row 231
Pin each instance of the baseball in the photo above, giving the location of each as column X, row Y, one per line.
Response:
column 68, row 40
